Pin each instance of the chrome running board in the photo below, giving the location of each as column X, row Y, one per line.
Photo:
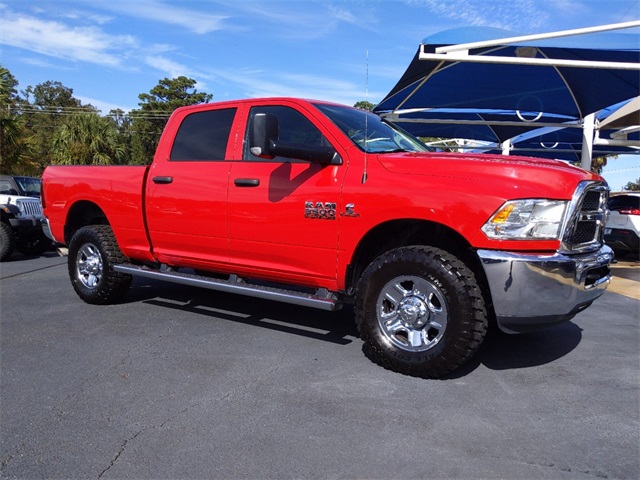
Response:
column 322, row 299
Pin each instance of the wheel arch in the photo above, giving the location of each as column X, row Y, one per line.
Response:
column 406, row 232
column 81, row 214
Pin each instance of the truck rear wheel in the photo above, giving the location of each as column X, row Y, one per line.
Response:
column 93, row 251
column 7, row 241
column 420, row 311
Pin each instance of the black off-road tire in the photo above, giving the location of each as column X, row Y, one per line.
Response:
column 7, row 241
column 35, row 245
column 93, row 252
column 420, row 311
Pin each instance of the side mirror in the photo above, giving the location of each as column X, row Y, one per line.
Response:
column 264, row 130
column 264, row 142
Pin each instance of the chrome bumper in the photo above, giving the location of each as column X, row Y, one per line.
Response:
column 532, row 291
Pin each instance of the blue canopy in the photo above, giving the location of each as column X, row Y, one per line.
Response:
column 483, row 125
column 501, row 94
column 562, row 144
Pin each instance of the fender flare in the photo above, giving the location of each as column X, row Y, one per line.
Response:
column 8, row 211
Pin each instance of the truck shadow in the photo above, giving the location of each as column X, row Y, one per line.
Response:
column 499, row 351
column 334, row 327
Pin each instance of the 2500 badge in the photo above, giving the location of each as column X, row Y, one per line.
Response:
column 320, row 210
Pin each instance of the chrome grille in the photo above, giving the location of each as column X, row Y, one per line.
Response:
column 591, row 200
column 585, row 232
column 30, row 208
column 584, row 226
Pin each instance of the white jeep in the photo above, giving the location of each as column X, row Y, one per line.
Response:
column 21, row 217
column 622, row 232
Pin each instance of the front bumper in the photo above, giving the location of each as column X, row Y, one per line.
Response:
column 533, row 291
column 26, row 226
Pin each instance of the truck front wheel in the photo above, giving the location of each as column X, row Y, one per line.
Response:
column 93, row 251
column 420, row 311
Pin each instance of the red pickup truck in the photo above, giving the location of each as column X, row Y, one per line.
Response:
column 319, row 204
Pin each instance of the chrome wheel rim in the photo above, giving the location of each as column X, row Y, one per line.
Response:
column 89, row 266
column 412, row 313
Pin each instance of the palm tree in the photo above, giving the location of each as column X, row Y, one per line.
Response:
column 14, row 142
column 87, row 139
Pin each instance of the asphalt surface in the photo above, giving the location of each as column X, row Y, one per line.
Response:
column 182, row 383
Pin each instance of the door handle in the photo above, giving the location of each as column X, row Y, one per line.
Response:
column 246, row 182
column 162, row 180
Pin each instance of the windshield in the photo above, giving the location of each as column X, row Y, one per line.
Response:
column 369, row 132
column 29, row 186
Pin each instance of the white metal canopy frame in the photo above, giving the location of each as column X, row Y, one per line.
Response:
column 416, row 99
column 460, row 53
column 627, row 122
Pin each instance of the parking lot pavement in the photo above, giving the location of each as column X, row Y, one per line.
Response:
column 626, row 278
column 186, row 383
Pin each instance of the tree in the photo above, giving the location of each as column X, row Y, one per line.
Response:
column 124, row 125
column 15, row 147
column 597, row 164
column 364, row 105
column 52, row 96
column 155, row 109
column 45, row 108
column 87, row 139
column 633, row 186
column 8, row 84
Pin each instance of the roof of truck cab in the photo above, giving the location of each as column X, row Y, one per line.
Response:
column 205, row 106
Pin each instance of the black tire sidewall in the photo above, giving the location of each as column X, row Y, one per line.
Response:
column 112, row 285
column 7, row 241
column 443, row 271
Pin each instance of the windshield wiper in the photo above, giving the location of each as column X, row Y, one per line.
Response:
column 397, row 150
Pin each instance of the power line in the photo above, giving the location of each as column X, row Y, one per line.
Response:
column 629, row 11
column 624, row 169
column 69, row 111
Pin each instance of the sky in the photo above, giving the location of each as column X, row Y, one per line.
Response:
column 111, row 51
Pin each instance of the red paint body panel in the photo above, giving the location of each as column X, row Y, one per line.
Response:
column 187, row 219
column 204, row 219
column 267, row 226
column 117, row 191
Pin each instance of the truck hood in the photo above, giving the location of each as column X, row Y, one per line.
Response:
column 531, row 177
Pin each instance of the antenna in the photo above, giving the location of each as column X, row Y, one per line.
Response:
column 366, row 118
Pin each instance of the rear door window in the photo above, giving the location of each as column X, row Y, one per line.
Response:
column 203, row 136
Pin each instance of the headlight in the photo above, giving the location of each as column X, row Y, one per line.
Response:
column 527, row 220
column 11, row 209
